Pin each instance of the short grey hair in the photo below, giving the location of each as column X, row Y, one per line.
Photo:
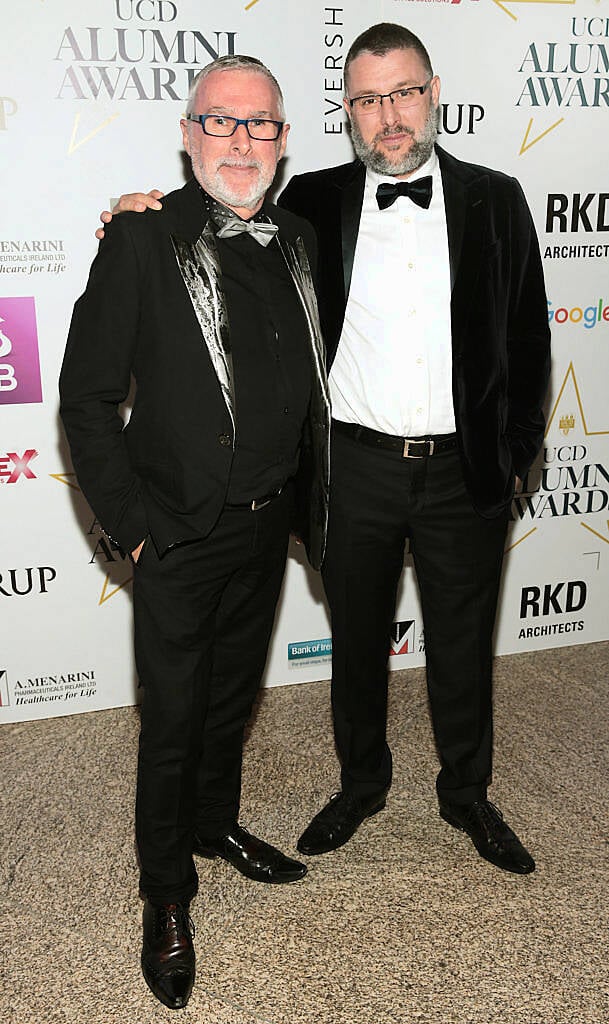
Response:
column 235, row 62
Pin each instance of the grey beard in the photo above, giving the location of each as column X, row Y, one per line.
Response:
column 216, row 187
column 418, row 154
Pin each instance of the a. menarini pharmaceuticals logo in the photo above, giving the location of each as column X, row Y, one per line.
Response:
column 63, row 687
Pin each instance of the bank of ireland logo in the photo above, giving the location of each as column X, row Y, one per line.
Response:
column 19, row 361
column 4, row 694
column 402, row 637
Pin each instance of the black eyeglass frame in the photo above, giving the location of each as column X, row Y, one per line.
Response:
column 202, row 118
column 421, row 89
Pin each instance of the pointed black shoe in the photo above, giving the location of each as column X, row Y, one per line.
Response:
column 490, row 834
column 168, row 956
column 251, row 856
column 338, row 821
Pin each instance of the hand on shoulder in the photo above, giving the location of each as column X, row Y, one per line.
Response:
column 135, row 202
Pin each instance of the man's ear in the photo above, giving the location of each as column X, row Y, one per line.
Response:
column 184, row 125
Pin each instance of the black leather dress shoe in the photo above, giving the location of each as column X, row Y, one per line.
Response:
column 168, row 956
column 251, row 856
column 492, row 837
column 338, row 821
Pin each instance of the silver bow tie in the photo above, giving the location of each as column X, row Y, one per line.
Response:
column 263, row 233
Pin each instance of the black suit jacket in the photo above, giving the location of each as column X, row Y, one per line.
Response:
column 500, row 334
column 154, row 308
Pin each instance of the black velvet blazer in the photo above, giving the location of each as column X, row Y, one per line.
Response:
column 499, row 318
column 154, row 308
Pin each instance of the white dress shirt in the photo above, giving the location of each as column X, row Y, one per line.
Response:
column 393, row 367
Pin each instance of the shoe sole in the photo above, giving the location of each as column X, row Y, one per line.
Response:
column 308, row 852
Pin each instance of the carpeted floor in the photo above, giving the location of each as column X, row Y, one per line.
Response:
column 405, row 924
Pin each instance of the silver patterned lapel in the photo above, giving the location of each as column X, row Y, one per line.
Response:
column 200, row 268
column 298, row 264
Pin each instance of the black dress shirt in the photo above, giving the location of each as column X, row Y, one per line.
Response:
column 271, row 363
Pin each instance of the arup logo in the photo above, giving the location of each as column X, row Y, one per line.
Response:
column 402, row 637
column 4, row 694
column 20, row 582
column 19, row 361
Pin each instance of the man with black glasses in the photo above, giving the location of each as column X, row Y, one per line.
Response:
column 434, row 315
column 210, row 305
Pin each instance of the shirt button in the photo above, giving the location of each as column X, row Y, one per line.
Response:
column 419, row 411
column 411, row 266
column 224, row 439
column 285, row 409
column 419, row 361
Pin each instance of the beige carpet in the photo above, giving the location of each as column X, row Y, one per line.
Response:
column 404, row 924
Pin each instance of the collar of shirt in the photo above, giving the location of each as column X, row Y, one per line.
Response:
column 374, row 179
column 219, row 214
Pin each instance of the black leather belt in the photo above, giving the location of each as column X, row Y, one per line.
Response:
column 407, row 447
column 257, row 503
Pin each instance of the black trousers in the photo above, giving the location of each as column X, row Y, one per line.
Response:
column 203, row 618
column 377, row 500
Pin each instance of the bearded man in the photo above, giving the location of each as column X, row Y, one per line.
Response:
column 210, row 305
column 434, row 314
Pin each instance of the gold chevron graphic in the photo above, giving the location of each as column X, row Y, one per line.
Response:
column 75, row 145
column 106, row 594
column 251, row 4
column 596, row 533
column 519, row 541
column 525, row 144
column 61, row 477
column 507, row 11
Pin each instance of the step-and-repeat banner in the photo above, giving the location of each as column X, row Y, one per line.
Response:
column 90, row 99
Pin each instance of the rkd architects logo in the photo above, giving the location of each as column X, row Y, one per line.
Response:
column 19, row 360
column 552, row 599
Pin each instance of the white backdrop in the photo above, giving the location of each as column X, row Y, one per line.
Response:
column 90, row 98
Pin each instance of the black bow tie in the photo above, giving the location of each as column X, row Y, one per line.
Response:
column 419, row 191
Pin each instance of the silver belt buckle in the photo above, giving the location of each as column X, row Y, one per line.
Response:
column 406, row 452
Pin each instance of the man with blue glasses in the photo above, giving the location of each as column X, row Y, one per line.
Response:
column 210, row 306
column 434, row 315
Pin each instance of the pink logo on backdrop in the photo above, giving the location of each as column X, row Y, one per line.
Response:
column 19, row 360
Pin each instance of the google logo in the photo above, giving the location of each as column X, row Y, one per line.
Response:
column 590, row 316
